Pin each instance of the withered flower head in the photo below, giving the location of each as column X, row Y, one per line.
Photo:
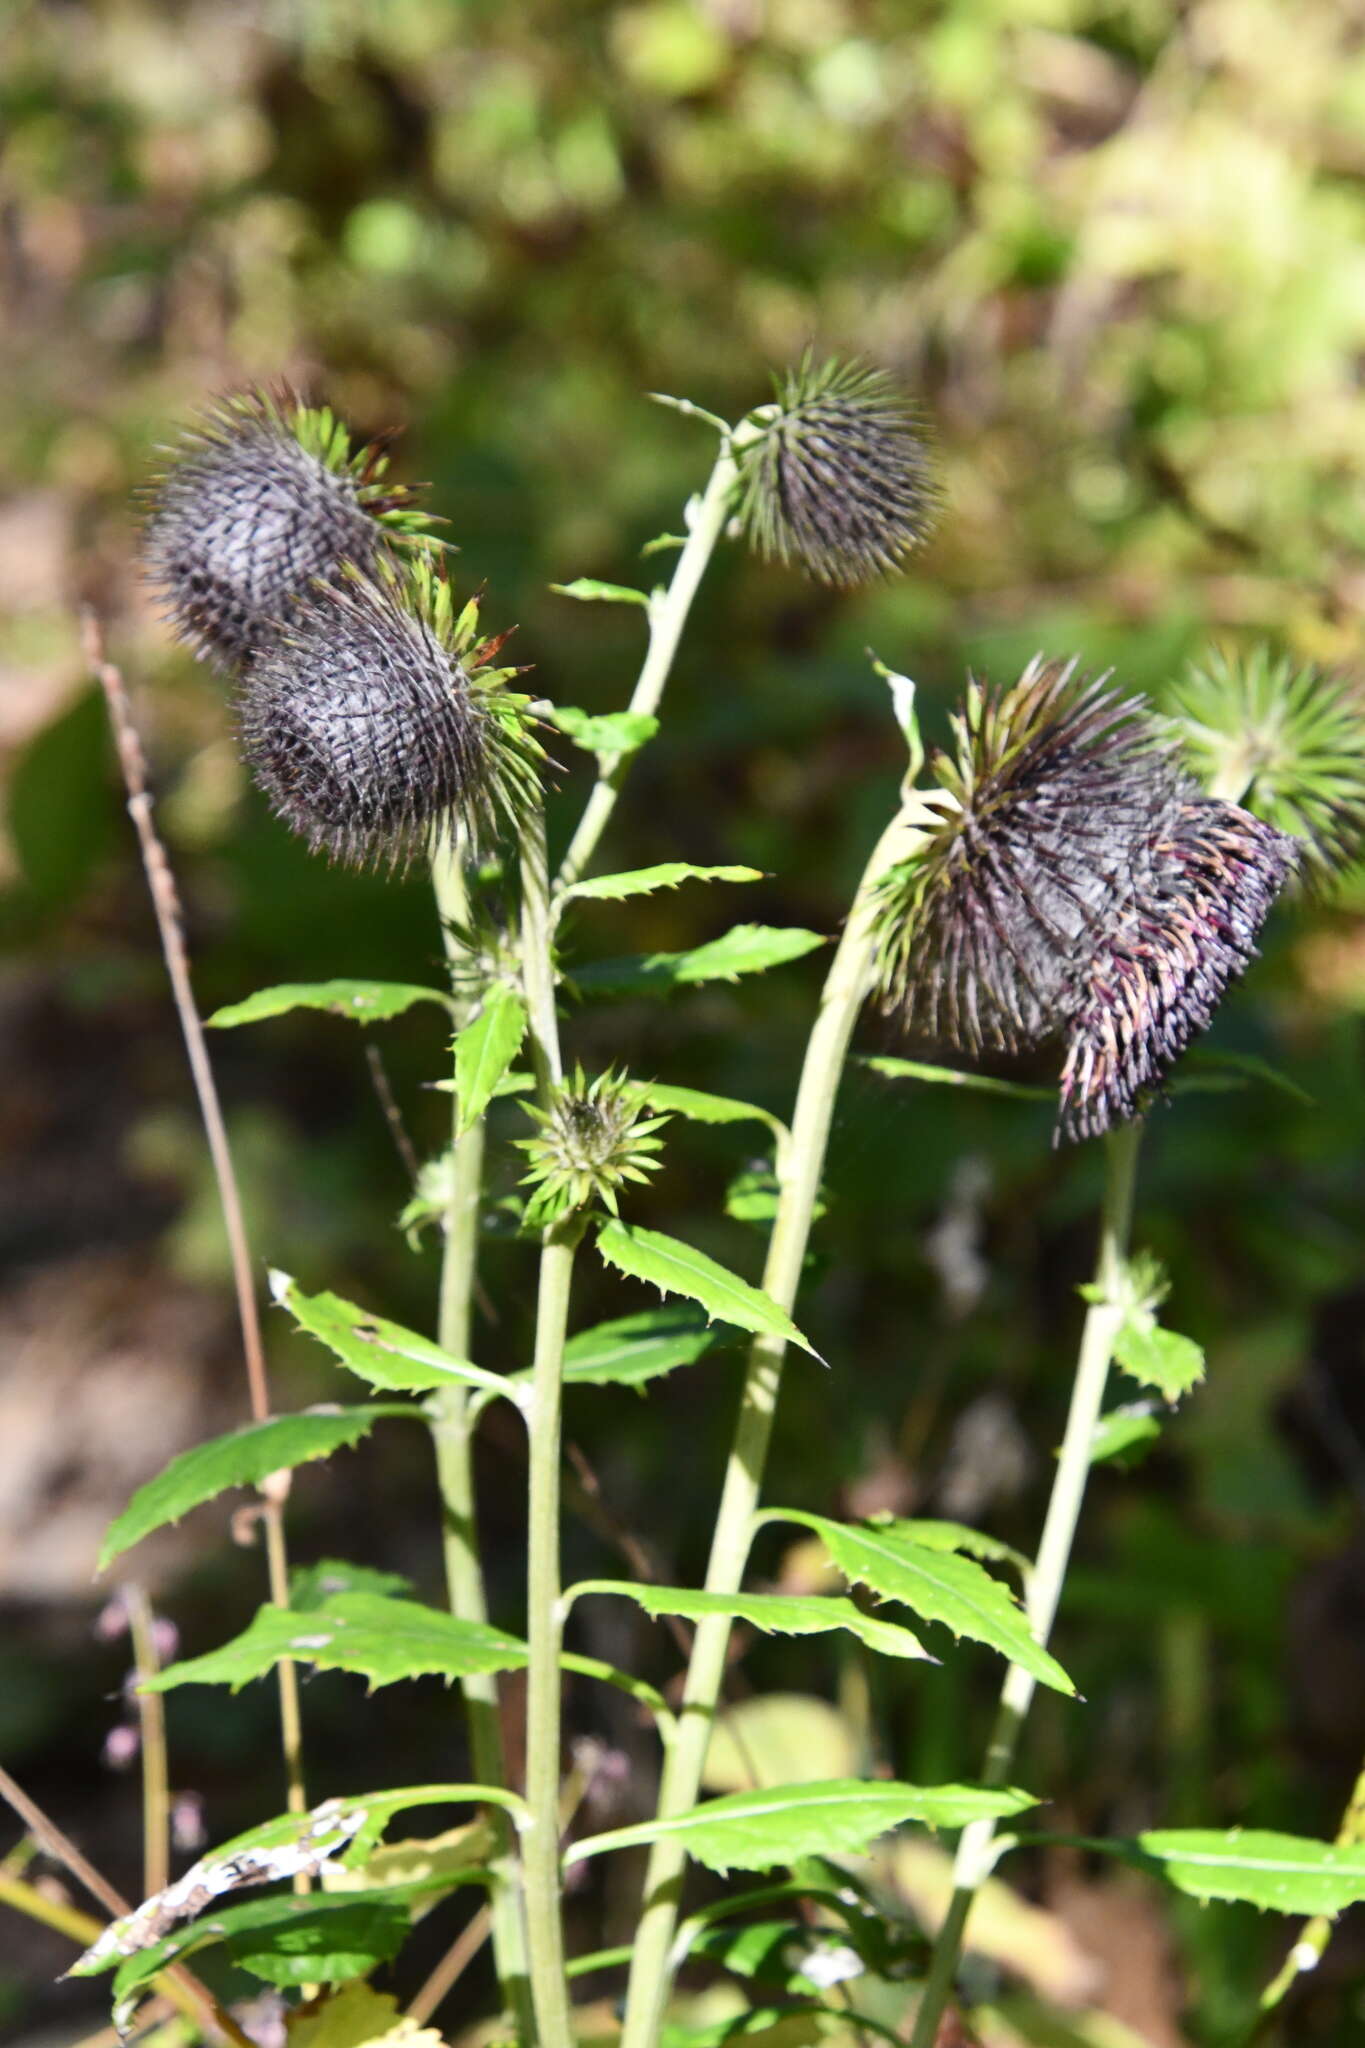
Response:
column 593, row 1138
column 260, row 497
column 1288, row 740
column 375, row 712
column 1079, row 886
column 839, row 477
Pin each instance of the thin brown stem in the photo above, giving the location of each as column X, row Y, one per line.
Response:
column 170, row 926
column 179, row 1984
column 451, row 1967
column 151, row 1714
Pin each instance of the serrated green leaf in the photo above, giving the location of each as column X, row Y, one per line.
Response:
column 783, row 1614
column 667, row 875
column 365, row 1002
column 283, row 1940
column 940, row 1585
column 244, row 1457
column 381, row 1639
column 485, row 1049
column 677, row 1268
column 312, row 1585
column 1159, row 1358
column 939, row 1535
column 758, row 1830
column 952, row 1077
column 744, row 949
column 1124, row 1433
column 382, row 1353
column 588, row 590
column 613, row 736
column 702, row 1108
column 632, row 1350
column 1287, row 1873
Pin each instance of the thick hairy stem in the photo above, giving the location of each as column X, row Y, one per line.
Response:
column 540, row 1838
column 1103, row 1320
column 667, row 616
column 170, row 926
column 453, row 1434
column 799, row 1169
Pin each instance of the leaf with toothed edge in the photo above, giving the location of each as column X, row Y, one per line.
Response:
column 382, row 1353
column 644, row 881
column 365, row 1002
column 244, row 1457
column 744, row 949
column 782, row 1614
column 371, row 1634
column 484, row 1050
column 677, row 1268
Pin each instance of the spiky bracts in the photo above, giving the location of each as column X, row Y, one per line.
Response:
column 1288, row 740
column 593, row 1138
column 260, row 496
column 1077, row 885
column 375, row 711
column 839, row 477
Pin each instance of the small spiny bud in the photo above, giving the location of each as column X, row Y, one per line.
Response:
column 591, row 1139
column 838, row 477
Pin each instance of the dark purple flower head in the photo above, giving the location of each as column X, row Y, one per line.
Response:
column 839, row 477
column 261, row 496
column 1078, row 887
column 373, row 714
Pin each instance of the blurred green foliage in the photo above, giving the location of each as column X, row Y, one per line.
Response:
column 1116, row 249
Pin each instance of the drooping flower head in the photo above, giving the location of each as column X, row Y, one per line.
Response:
column 376, row 711
column 838, row 477
column 262, row 495
column 1076, row 885
column 1288, row 740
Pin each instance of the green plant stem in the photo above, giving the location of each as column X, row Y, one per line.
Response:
column 537, row 956
column 799, row 1168
column 667, row 616
column 1102, row 1323
column 1307, row 1952
column 453, row 1435
column 540, row 1837
column 151, row 1711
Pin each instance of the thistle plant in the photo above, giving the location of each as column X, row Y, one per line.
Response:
column 1061, row 880
column 262, row 495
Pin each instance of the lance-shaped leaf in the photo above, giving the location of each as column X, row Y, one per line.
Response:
column 365, row 1002
column 380, row 1352
column 1287, row 1873
column 613, row 736
column 635, row 1349
column 759, row 1830
column 938, row 1535
column 940, row 1585
column 485, row 1049
column 952, row 1077
column 244, row 1457
column 711, row 1109
column 745, row 949
column 782, row 1614
column 677, row 1268
column 667, row 875
column 381, row 1639
column 588, row 590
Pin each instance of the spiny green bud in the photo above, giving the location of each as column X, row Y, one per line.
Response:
column 374, row 713
column 838, row 476
column 260, row 496
column 1079, row 887
column 1287, row 741
column 593, row 1138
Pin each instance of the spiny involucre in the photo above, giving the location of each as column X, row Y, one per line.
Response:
column 375, row 714
column 260, row 496
column 1077, row 885
column 838, row 476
